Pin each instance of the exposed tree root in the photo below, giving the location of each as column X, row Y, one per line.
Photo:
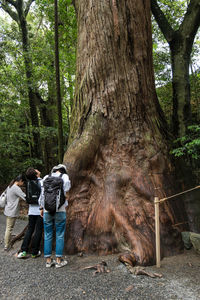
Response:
column 102, row 267
column 19, row 236
column 141, row 271
column 111, row 209
column 128, row 258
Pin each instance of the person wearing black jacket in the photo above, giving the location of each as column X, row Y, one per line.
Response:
column 33, row 234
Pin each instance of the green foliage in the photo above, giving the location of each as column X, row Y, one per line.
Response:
column 164, row 94
column 15, row 141
column 67, row 49
column 189, row 145
column 16, row 132
column 174, row 11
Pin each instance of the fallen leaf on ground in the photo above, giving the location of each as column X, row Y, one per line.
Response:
column 129, row 288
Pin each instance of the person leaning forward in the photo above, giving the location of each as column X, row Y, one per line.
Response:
column 11, row 210
column 58, row 219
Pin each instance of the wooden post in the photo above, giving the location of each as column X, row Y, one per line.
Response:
column 157, row 231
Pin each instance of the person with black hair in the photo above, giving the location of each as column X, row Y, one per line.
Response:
column 11, row 210
column 35, row 222
column 57, row 219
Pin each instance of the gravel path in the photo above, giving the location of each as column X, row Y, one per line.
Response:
column 29, row 279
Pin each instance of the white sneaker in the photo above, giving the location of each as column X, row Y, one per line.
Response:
column 61, row 264
column 36, row 255
column 50, row 264
column 22, row 254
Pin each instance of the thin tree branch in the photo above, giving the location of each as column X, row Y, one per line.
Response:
column 191, row 21
column 14, row 3
column 162, row 21
column 28, row 5
column 6, row 8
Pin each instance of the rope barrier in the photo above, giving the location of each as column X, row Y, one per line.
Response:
column 157, row 222
column 175, row 195
column 178, row 224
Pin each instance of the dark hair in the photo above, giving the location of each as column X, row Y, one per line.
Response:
column 31, row 174
column 17, row 178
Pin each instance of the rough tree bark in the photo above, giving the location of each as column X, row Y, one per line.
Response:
column 117, row 156
column 180, row 42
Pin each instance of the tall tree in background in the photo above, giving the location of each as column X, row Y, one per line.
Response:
column 117, row 156
column 18, row 11
column 180, row 42
column 41, row 73
column 59, row 101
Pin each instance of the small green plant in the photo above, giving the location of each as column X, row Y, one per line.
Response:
column 189, row 145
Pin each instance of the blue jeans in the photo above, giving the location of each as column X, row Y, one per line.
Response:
column 59, row 220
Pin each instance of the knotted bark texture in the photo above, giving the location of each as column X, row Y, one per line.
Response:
column 117, row 156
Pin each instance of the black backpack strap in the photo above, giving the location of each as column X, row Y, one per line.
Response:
column 39, row 183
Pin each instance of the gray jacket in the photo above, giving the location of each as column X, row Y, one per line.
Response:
column 14, row 193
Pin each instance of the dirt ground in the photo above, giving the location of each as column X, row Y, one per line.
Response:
column 29, row 279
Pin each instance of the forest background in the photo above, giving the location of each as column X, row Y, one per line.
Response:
column 29, row 116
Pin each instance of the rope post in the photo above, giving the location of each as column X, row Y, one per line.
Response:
column 157, row 231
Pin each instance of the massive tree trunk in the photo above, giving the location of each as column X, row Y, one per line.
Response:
column 180, row 42
column 117, row 156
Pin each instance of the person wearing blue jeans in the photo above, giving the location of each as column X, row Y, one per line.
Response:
column 57, row 220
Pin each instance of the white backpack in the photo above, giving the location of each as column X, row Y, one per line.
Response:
column 3, row 199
